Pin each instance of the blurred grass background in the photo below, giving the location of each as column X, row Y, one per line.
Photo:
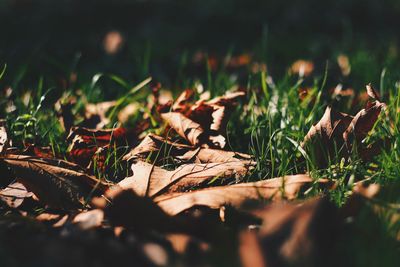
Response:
column 56, row 37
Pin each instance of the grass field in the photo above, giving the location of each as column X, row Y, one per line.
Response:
column 44, row 97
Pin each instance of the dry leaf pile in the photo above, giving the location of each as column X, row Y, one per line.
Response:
column 162, row 213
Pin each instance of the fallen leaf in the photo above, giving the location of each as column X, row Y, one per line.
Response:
column 84, row 143
column 205, row 155
column 337, row 132
column 153, row 144
column 89, row 219
column 150, row 180
column 113, row 42
column 235, row 195
column 344, row 64
column 326, row 137
column 38, row 151
column 186, row 128
column 4, row 141
column 364, row 120
column 239, row 61
column 213, row 115
column 57, row 183
column 302, row 67
column 128, row 111
column 158, row 146
column 121, row 208
column 14, row 195
column 182, row 103
column 184, row 243
column 96, row 113
column 367, row 191
column 292, row 235
column 204, row 119
column 52, row 218
column 64, row 108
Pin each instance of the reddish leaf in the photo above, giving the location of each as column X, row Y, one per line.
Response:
column 86, row 142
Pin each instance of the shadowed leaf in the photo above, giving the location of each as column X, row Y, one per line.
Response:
column 235, row 195
column 57, row 183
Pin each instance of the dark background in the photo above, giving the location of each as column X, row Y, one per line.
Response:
column 56, row 37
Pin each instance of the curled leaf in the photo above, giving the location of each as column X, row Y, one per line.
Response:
column 14, row 195
column 209, row 116
column 58, row 183
column 4, row 141
column 158, row 146
column 150, row 180
column 96, row 113
column 235, row 195
column 185, row 127
column 336, row 132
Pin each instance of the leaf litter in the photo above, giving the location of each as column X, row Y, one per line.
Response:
column 187, row 202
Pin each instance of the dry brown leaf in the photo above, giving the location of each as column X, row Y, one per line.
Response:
column 121, row 208
column 235, row 195
column 367, row 191
column 239, row 61
column 211, row 117
column 182, row 103
column 52, row 219
column 331, row 126
column 97, row 113
column 57, row 183
column 14, row 195
column 150, row 180
column 128, row 111
column 89, row 219
column 302, row 67
column 185, row 127
column 156, row 145
column 344, row 64
column 337, row 131
column 4, row 141
column 292, row 234
column 364, row 120
column 205, row 155
column 152, row 144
